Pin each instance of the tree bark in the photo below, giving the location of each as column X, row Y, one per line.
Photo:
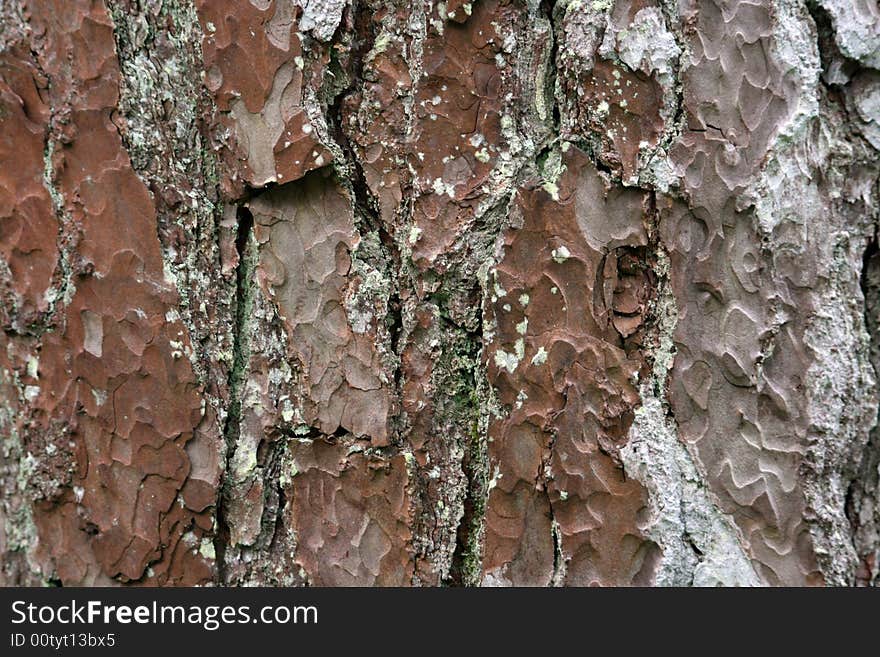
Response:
column 350, row 292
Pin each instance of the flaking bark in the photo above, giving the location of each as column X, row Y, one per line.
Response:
column 500, row 292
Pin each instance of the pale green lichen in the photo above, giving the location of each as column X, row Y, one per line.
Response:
column 560, row 254
column 540, row 356
column 33, row 366
column 552, row 189
column 506, row 361
column 206, row 549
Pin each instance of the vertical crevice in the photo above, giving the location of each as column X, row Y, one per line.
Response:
column 367, row 215
column 246, row 250
column 862, row 506
column 547, row 8
column 558, row 577
column 361, row 43
column 466, row 557
column 466, row 566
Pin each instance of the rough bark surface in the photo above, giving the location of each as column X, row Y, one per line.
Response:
column 502, row 292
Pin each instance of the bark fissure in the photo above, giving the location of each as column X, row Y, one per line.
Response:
column 466, row 557
column 244, row 289
column 862, row 504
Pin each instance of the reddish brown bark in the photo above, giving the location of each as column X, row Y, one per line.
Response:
column 492, row 292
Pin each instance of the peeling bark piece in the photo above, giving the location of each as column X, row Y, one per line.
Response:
column 609, row 81
column 306, row 234
column 245, row 503
column 254, row 68
column 566, row 376
column 116, row 373
column 28, row 226
column 351, row 514
column 622, row 109
column 734, row 399
column 741, row 356
column 457, row 138
column 442, row 144
column 257, row 540
column 735, row 99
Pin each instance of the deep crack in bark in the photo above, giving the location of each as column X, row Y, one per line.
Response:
column 246, row 250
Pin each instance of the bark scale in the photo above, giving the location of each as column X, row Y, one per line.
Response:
column 349, row 292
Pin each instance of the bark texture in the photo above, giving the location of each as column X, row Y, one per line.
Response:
column 503, row 292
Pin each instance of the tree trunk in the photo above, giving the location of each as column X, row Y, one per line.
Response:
column 362, row 292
